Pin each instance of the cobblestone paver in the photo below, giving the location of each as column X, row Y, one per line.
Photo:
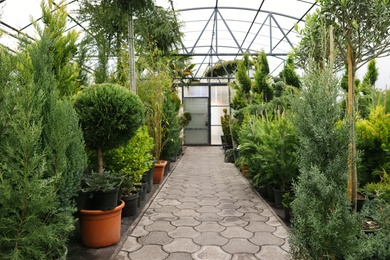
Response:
column 206, row 210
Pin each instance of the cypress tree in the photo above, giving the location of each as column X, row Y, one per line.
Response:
column 42, row 150
column 323, row 226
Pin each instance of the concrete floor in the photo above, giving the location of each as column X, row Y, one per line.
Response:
column 205, row 209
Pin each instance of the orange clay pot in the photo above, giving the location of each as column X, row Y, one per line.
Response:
column 244, row 170
column 159, row 169
column 100, row 228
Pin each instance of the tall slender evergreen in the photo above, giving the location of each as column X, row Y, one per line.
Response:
column 42, row 153
column 324, row 226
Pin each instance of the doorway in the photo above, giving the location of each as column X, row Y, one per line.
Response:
column 197, row 132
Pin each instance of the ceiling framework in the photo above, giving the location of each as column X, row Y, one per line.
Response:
column 215, row 31
column 221, row 37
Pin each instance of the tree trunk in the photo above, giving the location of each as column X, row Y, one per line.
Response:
column 100, row 160
column 133, row 86
column 352, row 182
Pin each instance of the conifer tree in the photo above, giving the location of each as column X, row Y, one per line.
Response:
column 324, row 226
column 42, row 152
column 261, row 85
column 31, row 225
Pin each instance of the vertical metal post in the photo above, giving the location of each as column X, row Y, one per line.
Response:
column 132, row 82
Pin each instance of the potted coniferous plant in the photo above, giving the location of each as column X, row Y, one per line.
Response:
column 109, row 116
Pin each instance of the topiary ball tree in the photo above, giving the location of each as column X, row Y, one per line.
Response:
column 109, row 116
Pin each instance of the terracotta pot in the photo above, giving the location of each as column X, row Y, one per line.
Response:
column 159, row 169
column 100, row 228
column 244, row 170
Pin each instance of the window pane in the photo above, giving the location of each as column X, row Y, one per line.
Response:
column 219, row 95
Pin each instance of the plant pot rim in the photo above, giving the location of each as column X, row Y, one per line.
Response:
column 102, row 212
column 161, row 163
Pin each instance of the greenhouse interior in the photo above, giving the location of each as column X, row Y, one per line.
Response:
column 269, row 121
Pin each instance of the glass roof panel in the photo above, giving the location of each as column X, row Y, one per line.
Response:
column 213, row 30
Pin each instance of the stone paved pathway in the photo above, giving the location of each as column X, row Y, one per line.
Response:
column 206, row 210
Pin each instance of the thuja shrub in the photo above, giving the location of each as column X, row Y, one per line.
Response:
column 42, row 153
column 31, row 224
column 323, row 227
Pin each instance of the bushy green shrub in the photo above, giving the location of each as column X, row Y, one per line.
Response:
column 380, row 189
column 373, row 139
column 269, row 148
column 374, row 244
column 171, row 137
column 132, row 159
column 109, row 116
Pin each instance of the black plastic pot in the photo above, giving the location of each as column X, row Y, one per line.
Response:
column 104, row 200
column 278, row 194
column 271, row 194
column 140, row 191
column 263, row 191
column 149, row 179
column 131, row 205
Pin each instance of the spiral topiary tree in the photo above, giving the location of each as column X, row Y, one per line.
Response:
column 109, row 116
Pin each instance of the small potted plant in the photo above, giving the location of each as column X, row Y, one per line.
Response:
column 109, row 117
column 102, row 189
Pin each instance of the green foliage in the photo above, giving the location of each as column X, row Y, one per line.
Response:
column 269, row 148
column 380, row 189
column 185, row 119
column 222, row 68
column 42, row 151
column 243, row 80
column 32, row 224
column 288, row 73
column 103, row 45
column 323, row 226
column 133, row 159
column 171, row 126
column 250, row 139
column 158, row 29
column 261, row 85
column 109, row 115
column 375, row 244
column 225, row 122
column 104, row 181
column 373, row 139
column 313, row 46
column 152, row 90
